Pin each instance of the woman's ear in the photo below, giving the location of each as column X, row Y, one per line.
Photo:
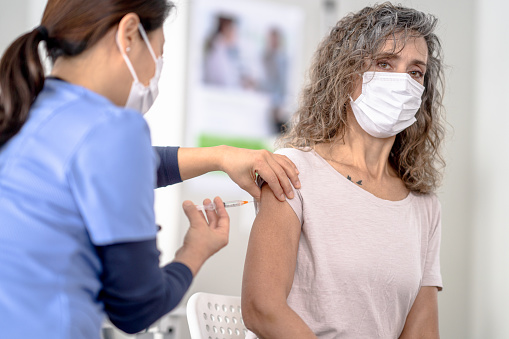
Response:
column 127, row 34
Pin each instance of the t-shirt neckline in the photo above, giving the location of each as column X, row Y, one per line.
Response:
column 359, row 190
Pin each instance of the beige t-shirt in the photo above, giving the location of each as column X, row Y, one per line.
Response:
column 361, row 259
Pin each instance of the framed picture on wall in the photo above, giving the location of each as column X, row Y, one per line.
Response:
column 243, row 66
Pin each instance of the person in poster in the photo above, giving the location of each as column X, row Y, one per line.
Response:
column 275, row 62
column 222, row 65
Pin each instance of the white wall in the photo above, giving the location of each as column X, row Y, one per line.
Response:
column 489, row 184
column 14, row 20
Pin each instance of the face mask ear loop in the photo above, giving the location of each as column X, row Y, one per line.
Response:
column 362, row 79
column 147, row 41
column 126, row 59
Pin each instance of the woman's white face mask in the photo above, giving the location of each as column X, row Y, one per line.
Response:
column 142, row 97
column 388, row 103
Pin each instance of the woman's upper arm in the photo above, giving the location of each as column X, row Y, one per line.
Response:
column 272, row 251
column 422, row 320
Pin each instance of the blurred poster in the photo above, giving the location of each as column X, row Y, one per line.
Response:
column 244, row 59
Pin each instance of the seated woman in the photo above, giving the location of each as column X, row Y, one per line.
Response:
column 356, row 253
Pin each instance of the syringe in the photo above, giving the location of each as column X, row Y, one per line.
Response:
column 227, row 204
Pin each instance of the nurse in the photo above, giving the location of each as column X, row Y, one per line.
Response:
column 77, row 173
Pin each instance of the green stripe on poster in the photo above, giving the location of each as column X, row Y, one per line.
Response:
column 208, row 140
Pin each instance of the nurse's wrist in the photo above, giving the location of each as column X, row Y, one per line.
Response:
column 192, row 259
column 221, row 157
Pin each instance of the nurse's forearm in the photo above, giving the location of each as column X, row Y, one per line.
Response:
column 136, row 291
column 193, row 162
column 242, row 166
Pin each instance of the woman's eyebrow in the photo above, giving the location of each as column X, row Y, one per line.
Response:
column 392, row 56
column 419, row 62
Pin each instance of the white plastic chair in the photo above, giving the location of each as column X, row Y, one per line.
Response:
column 214, row 316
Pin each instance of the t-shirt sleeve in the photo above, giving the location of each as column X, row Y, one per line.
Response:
column 297, row 202
column 112, row 178
column 168, row 172
column 432, row 276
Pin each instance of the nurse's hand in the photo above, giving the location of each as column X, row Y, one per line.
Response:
column 203, row 238
column 277, row 170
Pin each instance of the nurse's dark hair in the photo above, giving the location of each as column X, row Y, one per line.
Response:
column 69, row 27
column 352, row 47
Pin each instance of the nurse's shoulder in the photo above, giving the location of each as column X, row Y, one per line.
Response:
column 74, row 112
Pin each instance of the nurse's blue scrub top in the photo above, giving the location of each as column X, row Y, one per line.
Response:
column 79, row 174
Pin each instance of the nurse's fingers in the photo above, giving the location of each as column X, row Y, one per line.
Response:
column 278, row 171
column 192, row 213
column 219, row 217
column 223, row 219
column 289, row 171
column 211, row 213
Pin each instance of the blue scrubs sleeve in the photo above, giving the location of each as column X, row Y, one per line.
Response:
column 168, row 172
column 112, row 178
column 136, row 292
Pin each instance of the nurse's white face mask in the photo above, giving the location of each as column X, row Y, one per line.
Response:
column 388, row 103
column 142, row 97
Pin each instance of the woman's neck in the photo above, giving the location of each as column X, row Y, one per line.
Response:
column 359, row 150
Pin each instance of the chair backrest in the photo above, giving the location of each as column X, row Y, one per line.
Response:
column 214, row 316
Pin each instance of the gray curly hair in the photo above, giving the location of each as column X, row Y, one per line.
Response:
column 352, row 46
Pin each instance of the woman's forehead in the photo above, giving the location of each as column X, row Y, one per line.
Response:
column 399, row 44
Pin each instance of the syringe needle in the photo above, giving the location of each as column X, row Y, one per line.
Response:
column 227, row 204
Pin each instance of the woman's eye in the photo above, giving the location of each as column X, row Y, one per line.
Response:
column 416, row 74
column 383, row 65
